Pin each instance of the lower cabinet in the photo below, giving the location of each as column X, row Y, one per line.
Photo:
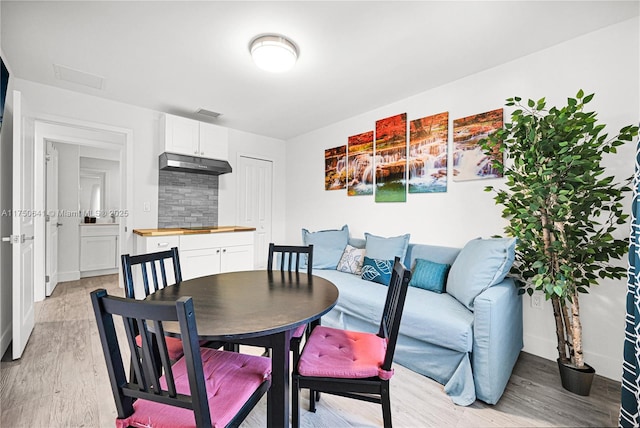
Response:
column 98, row 248
column 206, row 253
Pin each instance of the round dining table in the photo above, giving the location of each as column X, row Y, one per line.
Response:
column 258, row 308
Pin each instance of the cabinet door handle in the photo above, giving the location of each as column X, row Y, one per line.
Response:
column 224, row 251
column 163, row 244
column 217, row 251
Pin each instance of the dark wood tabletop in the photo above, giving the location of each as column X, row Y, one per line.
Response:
column 256, row 308
column 240, row 305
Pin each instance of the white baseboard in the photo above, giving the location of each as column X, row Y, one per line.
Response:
column 69, row 276
column 99, row 272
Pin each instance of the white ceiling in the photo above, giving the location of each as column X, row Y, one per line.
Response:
column 179, row 56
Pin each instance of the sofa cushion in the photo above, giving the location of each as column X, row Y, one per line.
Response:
column 429, row 317
column 429, row 275
column 377, row 270
column 481, row 264
column 351, row 260
column 382, row 248
column 328, row 246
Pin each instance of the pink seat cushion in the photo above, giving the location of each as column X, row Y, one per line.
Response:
column 331, row 352
column 174, row 347
column 298, row 332
column 230, row 379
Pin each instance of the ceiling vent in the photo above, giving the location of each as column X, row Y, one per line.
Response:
column 209, row 113
column 78, row 77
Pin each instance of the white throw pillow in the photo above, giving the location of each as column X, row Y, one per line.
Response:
column 351, row 260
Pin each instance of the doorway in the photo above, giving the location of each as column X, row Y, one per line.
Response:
column 94, row 143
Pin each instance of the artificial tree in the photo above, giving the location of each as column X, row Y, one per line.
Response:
column 561, row 206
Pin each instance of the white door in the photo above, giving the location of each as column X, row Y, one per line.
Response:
column 23, row 225
column 51, row 224
column 255, row 184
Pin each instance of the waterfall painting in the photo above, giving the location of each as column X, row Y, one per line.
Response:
column 428, row 140
column 360, row 164
column 335, row 168
column 469, row 160
column 391, row 159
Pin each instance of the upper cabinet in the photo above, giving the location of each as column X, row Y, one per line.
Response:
column 191, row 137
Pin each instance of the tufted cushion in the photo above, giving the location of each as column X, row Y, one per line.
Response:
column 328, row 246
column 299, row 331
column 351, row 260
column 230, row 379
column 174, row 347
column 331, row 352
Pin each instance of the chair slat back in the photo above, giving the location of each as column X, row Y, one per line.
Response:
column 151, row 265
column 393, row 307
column 148, row 319
column 287, row 255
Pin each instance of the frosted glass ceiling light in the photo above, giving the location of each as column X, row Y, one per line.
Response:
column 274, row 53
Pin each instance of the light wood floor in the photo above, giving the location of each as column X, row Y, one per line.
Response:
column 61, row 381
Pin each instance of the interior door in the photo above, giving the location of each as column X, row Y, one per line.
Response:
column 255, row 184
column 51, row 224
column 23, row 226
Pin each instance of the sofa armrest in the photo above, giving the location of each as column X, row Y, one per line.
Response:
column 497, row 339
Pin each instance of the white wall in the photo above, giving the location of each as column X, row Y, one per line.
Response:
column 604, row 62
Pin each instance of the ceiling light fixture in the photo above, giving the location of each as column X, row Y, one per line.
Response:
column 274, row 53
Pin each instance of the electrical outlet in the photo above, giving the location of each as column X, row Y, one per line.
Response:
column 537, row 300
column 146, row 207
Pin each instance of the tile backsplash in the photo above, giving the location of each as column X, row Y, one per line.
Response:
column 187, row 199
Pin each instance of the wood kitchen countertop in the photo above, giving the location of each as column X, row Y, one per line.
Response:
column 187, row 231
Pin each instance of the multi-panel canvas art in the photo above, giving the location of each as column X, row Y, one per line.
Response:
column 428, row 140
column 335, row 168
column 391, row 159
column 360, row 164
column 469, row 160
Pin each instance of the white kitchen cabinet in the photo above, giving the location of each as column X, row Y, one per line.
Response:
column 98, row 248
column 208, row 254
column 204, row 254
column 191, row 137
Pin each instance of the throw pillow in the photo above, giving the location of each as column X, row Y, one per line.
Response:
column 328, row 246
column 377, row 270
column 351, row 260
column 480, row 264
column 382, row 248
column 429, row 275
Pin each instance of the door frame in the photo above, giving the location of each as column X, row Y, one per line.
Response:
column 83, row 133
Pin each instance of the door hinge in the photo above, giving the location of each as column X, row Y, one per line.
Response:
column 47, row 218
column 46, row 278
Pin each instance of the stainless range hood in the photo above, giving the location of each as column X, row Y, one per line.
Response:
column 193, row 164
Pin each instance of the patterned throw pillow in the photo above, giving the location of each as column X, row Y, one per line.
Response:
column 351, row 260
column 429, row 275
column 377, row 270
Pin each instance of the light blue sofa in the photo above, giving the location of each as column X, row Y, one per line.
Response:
column 470, row 352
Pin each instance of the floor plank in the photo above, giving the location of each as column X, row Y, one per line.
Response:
column 61, row 381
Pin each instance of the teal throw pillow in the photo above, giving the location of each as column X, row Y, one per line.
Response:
column 328, row 246
column 377, row 270
column 382, row 248
column 480, row 264
column 429, row 275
